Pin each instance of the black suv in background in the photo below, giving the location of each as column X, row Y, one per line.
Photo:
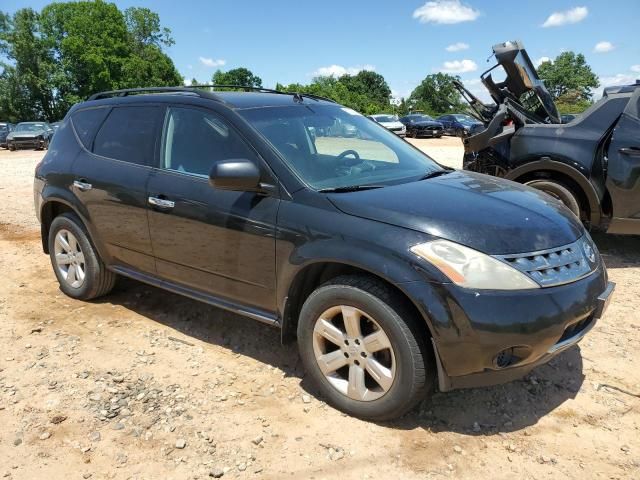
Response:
column 590, row 163
column 392, row 272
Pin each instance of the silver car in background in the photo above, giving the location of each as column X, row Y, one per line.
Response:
column 390, row 122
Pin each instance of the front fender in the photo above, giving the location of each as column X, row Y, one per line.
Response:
column 551, row 165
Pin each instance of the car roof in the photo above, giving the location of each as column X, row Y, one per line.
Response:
column 232, row 99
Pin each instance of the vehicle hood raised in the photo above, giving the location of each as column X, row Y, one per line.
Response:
column 492, row 215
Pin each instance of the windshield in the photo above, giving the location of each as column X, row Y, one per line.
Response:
column 465, row 119
column 385, row 118
column 29, row 127
column 330, row 146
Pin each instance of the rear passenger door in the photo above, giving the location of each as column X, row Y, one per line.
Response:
column 110, row 178
column 623, row 168
column 219, row 242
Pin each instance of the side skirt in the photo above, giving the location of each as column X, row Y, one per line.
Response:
column 254, row 313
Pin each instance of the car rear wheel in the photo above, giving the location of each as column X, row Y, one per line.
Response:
column 363, row 348
column 78, row 267
column 558, row 191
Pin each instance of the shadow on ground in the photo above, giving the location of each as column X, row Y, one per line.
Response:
column 491, row 410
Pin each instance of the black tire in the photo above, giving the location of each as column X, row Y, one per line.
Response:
column 413, row 134
column 560, row 192
column 414, row 372
column 11, row 147
column 98, row 280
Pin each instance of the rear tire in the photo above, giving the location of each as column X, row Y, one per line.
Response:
column 560, row 192
column 375, row 380
column 79, row 269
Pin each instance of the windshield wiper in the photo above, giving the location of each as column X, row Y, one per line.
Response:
column 435, row 173
column 349, row 188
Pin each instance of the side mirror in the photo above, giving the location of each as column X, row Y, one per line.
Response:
column 235, row 174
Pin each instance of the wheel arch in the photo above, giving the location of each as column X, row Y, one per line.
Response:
column 315, row 273
column 546, row 168
column 55, row 205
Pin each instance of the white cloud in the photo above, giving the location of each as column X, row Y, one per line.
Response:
column 614, row 80
column 339, row 70
column 540, row 61
column 211, row 62
column 458, row 66
column 635, row 68
column 573, row 15
column 445, row 12
column 456, row 47
column 603, row 47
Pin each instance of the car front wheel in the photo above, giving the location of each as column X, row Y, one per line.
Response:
column 363, row 348
column 77, row 265
column 558, row 191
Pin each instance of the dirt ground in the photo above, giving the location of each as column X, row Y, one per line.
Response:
column 143, row 384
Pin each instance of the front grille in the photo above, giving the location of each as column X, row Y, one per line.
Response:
column 556, row 266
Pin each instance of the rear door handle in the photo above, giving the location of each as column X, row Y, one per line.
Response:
column 161, row 203
column 635, row 152
column 82, row 185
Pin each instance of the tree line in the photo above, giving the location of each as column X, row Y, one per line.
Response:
column 54, row 58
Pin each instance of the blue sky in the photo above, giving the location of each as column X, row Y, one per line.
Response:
column 291, row 41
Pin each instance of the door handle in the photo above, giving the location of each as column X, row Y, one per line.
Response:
column 161, row 203
column 634, row 152
column 82, row 185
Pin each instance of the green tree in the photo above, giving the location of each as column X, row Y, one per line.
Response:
column 436, row 95
column 369, row 84
column 70, row 50
column 237, row 76
column 569, row 74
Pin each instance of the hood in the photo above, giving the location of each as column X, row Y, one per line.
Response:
column 427, row 123
column 395, row 124
column 489, row 214
column 30, row 134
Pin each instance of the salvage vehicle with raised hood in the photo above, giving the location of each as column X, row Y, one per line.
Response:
column 392, row 272
column 591, row 163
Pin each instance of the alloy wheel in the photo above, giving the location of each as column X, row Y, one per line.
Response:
column 354, row 353
column 69, row 258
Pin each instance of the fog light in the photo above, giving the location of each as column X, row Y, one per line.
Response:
column 505, row 358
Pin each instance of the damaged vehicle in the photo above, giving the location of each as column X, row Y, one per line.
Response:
column 591, row 164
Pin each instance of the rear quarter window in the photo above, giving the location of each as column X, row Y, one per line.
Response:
column 86, row 124
column 129, row 134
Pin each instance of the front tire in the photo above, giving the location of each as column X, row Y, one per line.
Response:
column 363, row 348
column 560, row 192
column 79, row 269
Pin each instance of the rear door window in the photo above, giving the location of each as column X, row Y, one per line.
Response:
column 86, row 124
column 129, row 134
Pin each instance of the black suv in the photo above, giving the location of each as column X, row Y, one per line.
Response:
column 392, row 272
column 591, row 163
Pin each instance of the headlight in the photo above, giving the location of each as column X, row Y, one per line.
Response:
column 469, row 268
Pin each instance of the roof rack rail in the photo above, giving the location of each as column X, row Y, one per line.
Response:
column 196, row 89
column 136, row 91
column 264, row 90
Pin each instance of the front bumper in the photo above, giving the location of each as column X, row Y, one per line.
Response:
column 26, row 142
column 483, row 338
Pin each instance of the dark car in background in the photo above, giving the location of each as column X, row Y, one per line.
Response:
column 392, row 272
column 460, row 125
column 5, row 129
column 420, row 125
column 30, row 135
column 591, row 164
